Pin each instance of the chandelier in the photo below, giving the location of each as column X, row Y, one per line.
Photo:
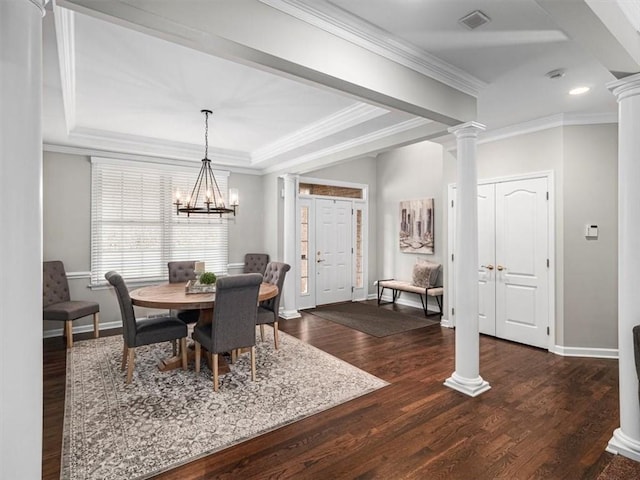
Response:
column 207, row 186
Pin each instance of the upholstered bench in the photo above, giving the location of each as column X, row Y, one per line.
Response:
column 398, row 286
column 425, row 276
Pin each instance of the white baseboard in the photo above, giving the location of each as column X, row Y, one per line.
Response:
column 58, row 332
column 589, row 352
column 287, row 314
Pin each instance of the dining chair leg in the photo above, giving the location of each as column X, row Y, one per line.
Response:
column 69, row 330
column 215, row 371
column 253, row 363
column 130, row 362
column 96, row 325
column 183, row 351
column 262, row 332
column 174, row 347
column 234, row 355
column 275, row 334
column 198, row 353
column 124, row 356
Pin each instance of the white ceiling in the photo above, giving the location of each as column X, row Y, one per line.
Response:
column 129, row 92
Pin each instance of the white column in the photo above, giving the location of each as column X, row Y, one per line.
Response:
column 21, row 238
column 626, row 438
column 289, row 243
column 466, row 378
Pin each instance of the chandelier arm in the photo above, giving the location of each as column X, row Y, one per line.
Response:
column 195, row 193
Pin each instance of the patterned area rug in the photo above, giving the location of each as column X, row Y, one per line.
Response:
column 164, row 419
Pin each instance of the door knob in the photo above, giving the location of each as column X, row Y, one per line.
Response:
column 488, row 267
column 319, row 260
column 500, row 268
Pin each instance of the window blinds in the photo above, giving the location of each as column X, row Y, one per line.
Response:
column 134, row 226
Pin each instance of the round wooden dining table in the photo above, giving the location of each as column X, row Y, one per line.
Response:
column 173, row 296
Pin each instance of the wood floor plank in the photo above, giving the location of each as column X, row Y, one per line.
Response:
column 545, row 417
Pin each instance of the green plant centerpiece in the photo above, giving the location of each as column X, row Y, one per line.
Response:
column 208, row 278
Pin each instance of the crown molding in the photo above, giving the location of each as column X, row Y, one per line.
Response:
column 161, row 159
column 544, row 123
column 346, row 118
column 40, row 5
column 157, row 147
column 349, row 27
column 64, row 21
column 356, row 142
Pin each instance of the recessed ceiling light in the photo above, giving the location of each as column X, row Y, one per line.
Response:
column 579, row 90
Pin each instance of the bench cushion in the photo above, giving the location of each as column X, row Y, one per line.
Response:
column 408, row 287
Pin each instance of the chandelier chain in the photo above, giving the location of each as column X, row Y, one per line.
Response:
column 206, row 134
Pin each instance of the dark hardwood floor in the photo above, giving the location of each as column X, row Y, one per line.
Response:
column 545, row 417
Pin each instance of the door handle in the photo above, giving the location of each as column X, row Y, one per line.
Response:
column 500, row 268
column 319, row 260
column 488, row 267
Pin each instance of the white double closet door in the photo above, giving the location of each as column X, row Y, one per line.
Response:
column 513, row 255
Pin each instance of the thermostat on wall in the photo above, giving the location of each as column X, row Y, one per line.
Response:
column 591, row 231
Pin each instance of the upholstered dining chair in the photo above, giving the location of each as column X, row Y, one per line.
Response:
column 137, row 333
column 234, row 321
column 268, row 311
column 57, row 303
column 255, row 262
column 182, row 272
column 636, row 353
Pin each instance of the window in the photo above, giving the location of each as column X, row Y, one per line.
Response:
column 134, row 226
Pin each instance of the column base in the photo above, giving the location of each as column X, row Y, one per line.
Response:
column 469, row 386
column 287, row 314
column 621, row 444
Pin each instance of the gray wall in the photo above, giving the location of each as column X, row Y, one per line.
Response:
column 408, row 173
column 67, row 227
column 591, row 265
column 583, row 160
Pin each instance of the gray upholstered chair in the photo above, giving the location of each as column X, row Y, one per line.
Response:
column 137, row 333
column 182, row 272
column 268, row 310
column 234, row 321
column 636, row 352
column 255, row 262
column 57, row 303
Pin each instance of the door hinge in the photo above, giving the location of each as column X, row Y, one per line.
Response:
column 352, row 211
column 548, row 263
column 547, row 195
column 351, row 250
column 352, row 289
column 548, row 330
column 451, row 203
column 452, row 257
column 453, row 311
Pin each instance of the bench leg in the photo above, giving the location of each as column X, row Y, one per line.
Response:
column 439, row 300
column 425, row 304
column 396, row 294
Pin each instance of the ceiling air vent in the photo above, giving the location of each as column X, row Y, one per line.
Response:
column 474, row 20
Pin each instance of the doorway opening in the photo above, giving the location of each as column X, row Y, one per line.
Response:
column 331, row 242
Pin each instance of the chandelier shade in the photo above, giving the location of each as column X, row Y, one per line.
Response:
column 206, row 197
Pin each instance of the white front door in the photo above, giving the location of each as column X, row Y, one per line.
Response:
column 333, row 251
column 522, row 275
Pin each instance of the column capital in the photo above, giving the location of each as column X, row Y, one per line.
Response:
column 625, row 87
column 39, row 4
column 467, row 130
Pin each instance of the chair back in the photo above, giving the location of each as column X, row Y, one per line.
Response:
column 275, row 274
column 126, row 306
column 235, row 311
column 182, row 272
column 255, row 262
column 55, row 287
